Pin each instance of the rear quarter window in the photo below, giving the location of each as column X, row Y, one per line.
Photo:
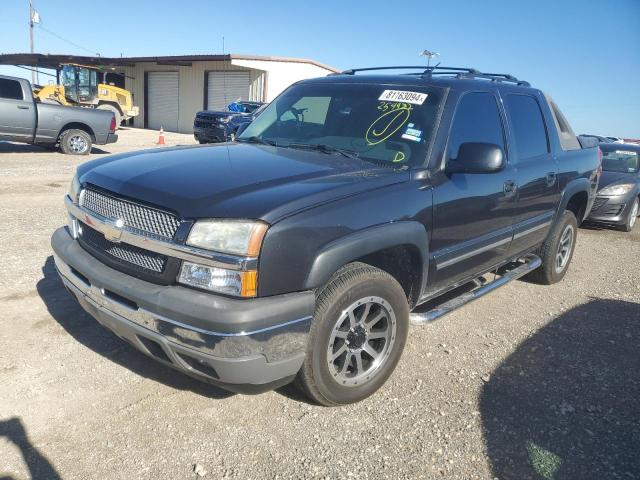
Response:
column 568, row 139
column 10, row 89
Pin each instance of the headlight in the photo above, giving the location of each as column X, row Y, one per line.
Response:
column 74, row 189
column 225, row 120
column 615, row 190
column 230, row 282
column 237, row 237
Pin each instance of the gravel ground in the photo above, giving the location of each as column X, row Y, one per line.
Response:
column 529, row 382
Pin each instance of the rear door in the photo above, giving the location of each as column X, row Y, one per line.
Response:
column 473, row 212
column 17, row 111
column 536, row 167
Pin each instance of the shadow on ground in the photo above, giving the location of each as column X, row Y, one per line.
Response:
column 66, row 310
column 9, row 147
column 37, row 464
column 566, row 404
column 597, row 227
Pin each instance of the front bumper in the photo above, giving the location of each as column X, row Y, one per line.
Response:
column 611, row 210
column 215, row 134
column 242, row 345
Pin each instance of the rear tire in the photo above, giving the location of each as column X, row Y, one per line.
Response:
column 557, row 251
column 114, row 110
column 358, row 332
column 632, row 216
column 75, row 142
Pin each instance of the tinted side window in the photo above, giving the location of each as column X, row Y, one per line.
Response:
column 477, row 119
column 529, row 132
column 10, row 89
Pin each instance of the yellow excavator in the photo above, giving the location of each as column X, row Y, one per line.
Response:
column 79, row 86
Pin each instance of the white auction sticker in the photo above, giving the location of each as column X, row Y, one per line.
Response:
column 416, row 98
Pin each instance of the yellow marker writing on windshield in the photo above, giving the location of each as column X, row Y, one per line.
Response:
column 387, row 124
column 399, row 157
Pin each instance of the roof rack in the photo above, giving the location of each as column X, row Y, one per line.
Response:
column 457, row 72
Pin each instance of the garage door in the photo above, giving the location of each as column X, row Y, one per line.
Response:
column 227, row 87
column 163, row 91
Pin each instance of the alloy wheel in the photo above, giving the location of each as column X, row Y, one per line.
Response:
column 78, row 144
column 634, row 214
column 564, row 248
column 361, row 341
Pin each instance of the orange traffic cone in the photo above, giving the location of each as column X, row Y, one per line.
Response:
column 161, row 137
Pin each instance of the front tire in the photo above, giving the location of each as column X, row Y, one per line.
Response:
column 75, row 142
column 557, row 251
column 357, row 335
column 632, row 216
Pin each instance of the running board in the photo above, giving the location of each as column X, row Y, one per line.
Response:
column 527, row 265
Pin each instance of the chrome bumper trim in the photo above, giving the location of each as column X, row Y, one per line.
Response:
column 275, row 342
column 184, row 252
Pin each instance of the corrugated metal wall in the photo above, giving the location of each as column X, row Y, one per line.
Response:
column 227, row 87
column 191, row 96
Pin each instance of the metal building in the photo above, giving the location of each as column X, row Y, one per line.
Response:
column 170, row 90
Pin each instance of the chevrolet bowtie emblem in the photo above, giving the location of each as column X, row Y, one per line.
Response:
column 113, row 232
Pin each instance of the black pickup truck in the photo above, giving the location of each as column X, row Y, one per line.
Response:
column 349, row 207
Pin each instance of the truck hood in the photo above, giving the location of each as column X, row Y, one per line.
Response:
column 234, row 180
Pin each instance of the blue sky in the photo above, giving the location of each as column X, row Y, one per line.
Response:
column 586, row 54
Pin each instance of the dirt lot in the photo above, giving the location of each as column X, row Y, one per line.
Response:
column 530, row 382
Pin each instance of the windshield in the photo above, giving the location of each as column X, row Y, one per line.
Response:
column 626, row 161
column 390, row 125
column 68, row 76
column 260, row 109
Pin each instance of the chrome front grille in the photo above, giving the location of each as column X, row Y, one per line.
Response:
column 139, row 218
column 121, row 251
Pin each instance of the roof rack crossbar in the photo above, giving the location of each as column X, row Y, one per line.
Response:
column 458, row 72
column 424, row 69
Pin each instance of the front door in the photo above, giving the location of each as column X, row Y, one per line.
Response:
column 17, row 113
column 472, row 219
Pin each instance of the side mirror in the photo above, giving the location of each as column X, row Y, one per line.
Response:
column 475, row 157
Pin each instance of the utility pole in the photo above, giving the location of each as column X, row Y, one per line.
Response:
column 31, row 22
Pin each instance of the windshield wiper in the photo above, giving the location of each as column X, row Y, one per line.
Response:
column 257, row 140
column 328, row 149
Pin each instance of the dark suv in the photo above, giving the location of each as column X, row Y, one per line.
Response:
column 212, row 127
column 303, row 250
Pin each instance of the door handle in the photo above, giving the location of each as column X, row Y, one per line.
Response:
column 23, row 107
column 551, row 178
column 510, row 187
